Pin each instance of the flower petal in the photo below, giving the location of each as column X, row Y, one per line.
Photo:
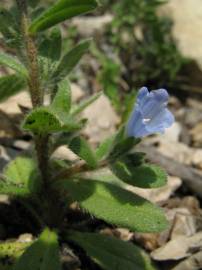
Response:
column 162, row 120
column 142, row 94
column 150, row 114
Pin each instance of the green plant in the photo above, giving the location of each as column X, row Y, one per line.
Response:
column 46, row 186
column 144, row 52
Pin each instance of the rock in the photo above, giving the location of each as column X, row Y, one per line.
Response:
column 196, row 134
column 178, row 248
column 178, row 151
column 173, row 133
column 69, row 260
column 10, row 106
column 184, row 223
column 102, row 120
column 187, row 26
column 21, row 145
column 25, row 238
column 6, row 154
column 9, row 125
column 197, row 158
column 4, row 199
column 194, row 262
column 64, row 153
column 77, row 92
column 88, row 26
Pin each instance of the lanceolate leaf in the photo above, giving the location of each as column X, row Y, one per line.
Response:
column 51, row 45
column 116, row 205
column 81, row 148
column 13, row 63
column 104, row 148
column 10, row 85
column 84, row 104
column 111, row 253
column 62, row 100
column 43, row 254
column 20, row 178
column 71, row 59
column 61, row 11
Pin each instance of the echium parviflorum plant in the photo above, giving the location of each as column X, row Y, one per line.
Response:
column 63, row 196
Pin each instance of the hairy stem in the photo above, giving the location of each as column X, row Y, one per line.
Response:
column 36, row 92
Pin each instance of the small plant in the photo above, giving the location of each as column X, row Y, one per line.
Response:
column 144, row 52
column 48, row 187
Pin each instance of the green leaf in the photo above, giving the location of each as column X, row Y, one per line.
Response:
column 143, row 176
column 44, row 120
column 43, row 254
column 10, row 252
column 20, row 178
column 111, row 253
column 71, row 59
column 104, row 148
column 10, row 85
column 116, row 205
column 84, row 104
column 52, row 45
column 122, row 147
column 61, row 11
column 33, row 3
column 12, row 62
column 62, row 100
column 81, row 148
column 8, row 26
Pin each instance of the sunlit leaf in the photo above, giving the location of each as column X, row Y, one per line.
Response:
column 13, row 63
column 43, row 254
column 61, row 11
column 20, row 178
column 116, row 205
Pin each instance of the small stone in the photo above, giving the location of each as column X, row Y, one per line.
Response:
column 173, row 133
column 77, row 92
column 25, row 238
column 102, row 120
column 64, row 153
column 88, row 26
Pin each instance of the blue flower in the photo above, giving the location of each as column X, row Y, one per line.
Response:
column 150, row 114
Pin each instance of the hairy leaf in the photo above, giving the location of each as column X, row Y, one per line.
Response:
column 43, row 254
column 84, row 104
column 13, row 63
column 116, row 205
column 62, row 100
column 52, row 45
column 10, row 85
column 20, row 178
column 61, row 11
column 81, row 148
column 71, row 59
column 111, row 253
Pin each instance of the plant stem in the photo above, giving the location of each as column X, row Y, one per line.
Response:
column 36, row 92
column 78, row 168
column 31, row 51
